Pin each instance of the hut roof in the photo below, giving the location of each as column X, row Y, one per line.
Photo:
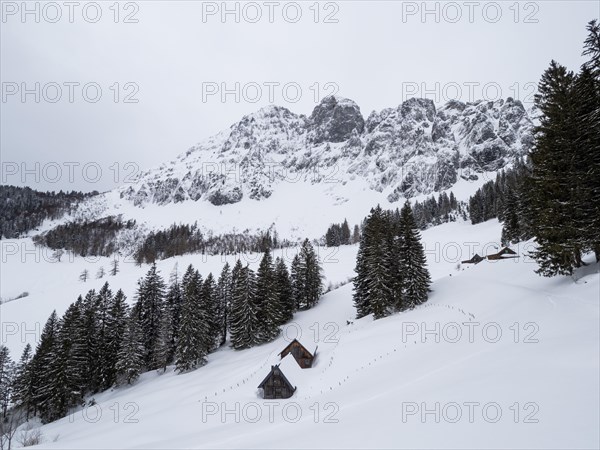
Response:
column 299, row 343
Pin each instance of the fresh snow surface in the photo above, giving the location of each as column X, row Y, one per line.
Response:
column 374, row 384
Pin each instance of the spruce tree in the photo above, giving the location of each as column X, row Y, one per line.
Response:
column 266, row 301
column 105, row 368
column 150, row 298
column 223, row 301
column 345, row 233
column 130, row 357
column 242, row 317
column 415, row 275
column 297, row 278
column 372, row 290
column 285, row 297
column 63, row 389
column 7, row 372
column 23, row 387
column 211, row 313
column 193, row 330
column 44, row 355
column 310, row 271
column 116, row 327
column 511, row 232
column 173, row 302
column 558, row 251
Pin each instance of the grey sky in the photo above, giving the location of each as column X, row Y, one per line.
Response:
column 377, row 53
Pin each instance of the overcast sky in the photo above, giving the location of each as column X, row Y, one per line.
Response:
column 162, row 66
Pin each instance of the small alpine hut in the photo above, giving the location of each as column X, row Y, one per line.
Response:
column 476, row 259
column 276, row 385
column 303, row 357
column 505, row 253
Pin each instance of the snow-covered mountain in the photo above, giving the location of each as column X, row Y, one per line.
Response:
column 405, row 151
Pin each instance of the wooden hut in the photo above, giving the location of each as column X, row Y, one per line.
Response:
column 276, row 385
column 303, row 357
column 476, row 259
column 505, row 253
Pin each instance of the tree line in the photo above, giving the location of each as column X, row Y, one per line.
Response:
column 504, row 198
column 86, row 238
column 23, row 209
column 182, row 239
column 101, row 341
column 339, row 234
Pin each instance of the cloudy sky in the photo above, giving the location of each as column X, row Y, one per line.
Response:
column 94, row 92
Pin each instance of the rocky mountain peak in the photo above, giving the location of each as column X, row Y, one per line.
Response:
column 334, row 119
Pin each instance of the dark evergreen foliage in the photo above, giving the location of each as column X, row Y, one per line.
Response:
column 23, row 209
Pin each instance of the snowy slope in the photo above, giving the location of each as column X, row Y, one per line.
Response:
column 367, row 373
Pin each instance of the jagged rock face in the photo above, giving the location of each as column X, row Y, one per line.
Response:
column 334, row 120
column 405, row 151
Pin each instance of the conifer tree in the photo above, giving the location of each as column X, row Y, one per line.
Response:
column 130, row 357
column 210, row 310
column 150, row 298
column 372, row 290
column 7, row 369
column 268, row 311
column 191, row 347
column 173, row 302
column 63, row 389
column 116, row 328
column 415, row 276
column 242, row 317
column 310, row 270
column 297, row 278
column 23, row 387
column 345, row 233
column 224, row 301
column 557, row 251
column 285, row 297
column 44, row 355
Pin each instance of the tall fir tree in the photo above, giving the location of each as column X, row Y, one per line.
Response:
column 297, row 278
column 558, row 251
column 191, row 344
column 130, row 357
column 223, row 301
column 66, row 371
column 311, row 275
column 211, row 313
column 23, row 387
column 7, row 372
column 242, row 317
column 284, row 290
column 42, row 359
column 266, row 301
column 150, row 298
column 116, row 328
column 415, row 275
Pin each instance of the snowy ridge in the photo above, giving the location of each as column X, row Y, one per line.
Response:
column 402, row 152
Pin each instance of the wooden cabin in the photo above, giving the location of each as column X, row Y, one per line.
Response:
column 276, row 385
column 505, row 253
column 303, row 357
column 476, row 259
